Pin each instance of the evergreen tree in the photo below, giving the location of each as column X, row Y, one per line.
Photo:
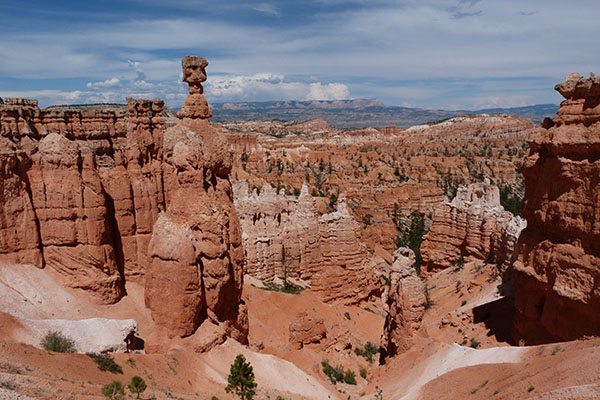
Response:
column 137, row 386
column 241, row 379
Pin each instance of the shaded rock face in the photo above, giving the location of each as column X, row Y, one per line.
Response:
column 556, row 278
column 473, row 226
column 105, row 194
column 284, row 237
column 196, row 252
column 404, row 303
column 19, row 232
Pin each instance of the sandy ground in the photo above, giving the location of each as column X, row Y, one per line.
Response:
column 437, row 367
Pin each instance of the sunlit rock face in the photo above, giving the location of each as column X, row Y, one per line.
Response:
column 555, row 281
column 474, row 225
column 105, row 194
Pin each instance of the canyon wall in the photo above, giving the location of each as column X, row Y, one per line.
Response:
column 556, row 279
column 106, row 194
column 474, row 225
column 284, row 237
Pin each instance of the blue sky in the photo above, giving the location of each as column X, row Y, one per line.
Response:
column 449, row 54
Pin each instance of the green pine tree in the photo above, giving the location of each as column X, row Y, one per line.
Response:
column 241, row 379
column 137, row 386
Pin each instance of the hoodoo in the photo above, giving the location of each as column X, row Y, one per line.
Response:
column 555, row 281
column 196, row 252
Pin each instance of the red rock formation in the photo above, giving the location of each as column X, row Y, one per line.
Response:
column 70, row 205
column 473, row 226
column 307, row 329
column 19, row 231
column 404, row 303
column 555, row 281
column 284, row 237
column 104, row 194
column 196, row 251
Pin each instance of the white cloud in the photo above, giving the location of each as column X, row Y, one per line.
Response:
column 269, row 86
column 112, row 82
column 267, row 8
column 330, row 91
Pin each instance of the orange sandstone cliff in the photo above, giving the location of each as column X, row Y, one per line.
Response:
column 105, row 194
column 555, row 281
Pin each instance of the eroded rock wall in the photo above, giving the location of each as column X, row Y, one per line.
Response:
column 106, row 194
column 472, row 226
column 284, row 237
column 555, row 281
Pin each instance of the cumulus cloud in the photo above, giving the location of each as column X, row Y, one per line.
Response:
column 112, row 82
column 269, row 86
column 257, row 87
column 330, row 91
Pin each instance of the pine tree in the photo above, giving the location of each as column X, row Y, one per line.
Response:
column 137, row 385
column 241, row 379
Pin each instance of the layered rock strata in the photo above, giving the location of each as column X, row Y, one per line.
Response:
column 556, row 279
column 105, row 194
column 404, row 304
column 284, row 237
column 474, row 225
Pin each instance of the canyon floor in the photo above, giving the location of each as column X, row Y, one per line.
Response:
column 465, row 311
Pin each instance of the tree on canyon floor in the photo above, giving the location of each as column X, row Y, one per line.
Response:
column 137, row 386
column 241, row 379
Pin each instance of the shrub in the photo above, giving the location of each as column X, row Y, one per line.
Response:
column 409, row 233
column 335, row 374
column 368, row 351
column 106, row 363
column 114, row 390
column 363, row 372
column 350, row 378
column 367, row 219
column 474, row 343
column 459, row 263
column 287, row 287
column 56, row 341
column 510, row 200
column 338, row 374
column 137, row 386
